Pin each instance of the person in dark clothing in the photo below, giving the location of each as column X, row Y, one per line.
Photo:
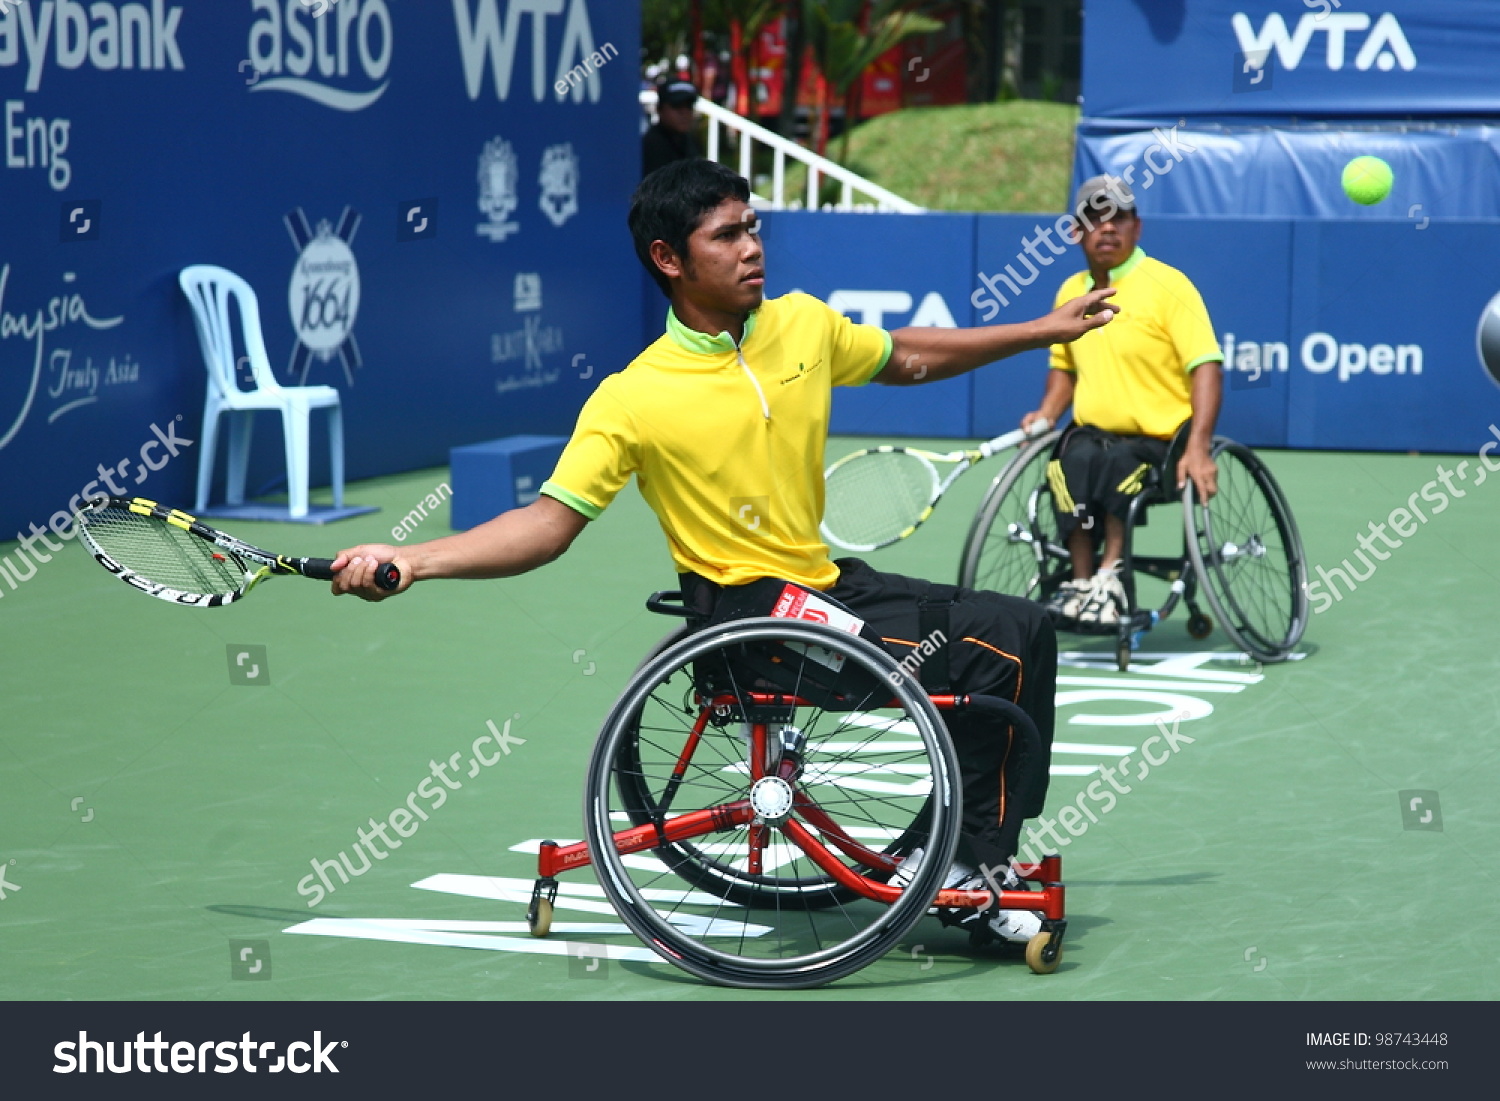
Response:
column 671, row 139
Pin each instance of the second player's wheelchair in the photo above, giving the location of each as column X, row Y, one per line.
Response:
column 1241, row 550
column 782, row 771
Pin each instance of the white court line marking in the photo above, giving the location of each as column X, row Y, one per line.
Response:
column 1093, row 750
column 382, row 929
column 1179, row 685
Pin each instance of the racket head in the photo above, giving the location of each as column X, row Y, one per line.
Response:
column 168, row 554
column 878, row 496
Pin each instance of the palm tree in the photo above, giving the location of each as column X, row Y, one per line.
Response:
column 847, row 36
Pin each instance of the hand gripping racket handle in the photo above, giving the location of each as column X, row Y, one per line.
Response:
column 387, row 576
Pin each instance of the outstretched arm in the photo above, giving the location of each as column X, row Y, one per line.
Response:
column 512, row 543
column 930, row 355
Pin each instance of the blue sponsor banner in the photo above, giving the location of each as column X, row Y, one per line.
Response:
column 1020, row 262
column 1441, row 170
column 1152, row 59
column 1347, row 335
column 1383, row 336
column 1215, row 254
column 428, row 197
column 890, row 270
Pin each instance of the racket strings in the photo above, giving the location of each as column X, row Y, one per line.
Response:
column 163, row 553
column 872, row 499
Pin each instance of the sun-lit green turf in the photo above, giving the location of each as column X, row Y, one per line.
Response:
column 1265, row 860
column 1014, row 156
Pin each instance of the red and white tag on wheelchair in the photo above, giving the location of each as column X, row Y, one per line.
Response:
column 796, row 602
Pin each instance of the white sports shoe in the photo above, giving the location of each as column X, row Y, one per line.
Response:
column 1069, row 599
column 1105, row 598
column 906, row 871
column 1016, row 926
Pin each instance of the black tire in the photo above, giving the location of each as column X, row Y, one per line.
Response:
column 802, row 929
column 1247, row 554
column 1014, row 520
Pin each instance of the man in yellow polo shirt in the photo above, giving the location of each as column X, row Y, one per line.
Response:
column 723, row 422
column 1131, row 387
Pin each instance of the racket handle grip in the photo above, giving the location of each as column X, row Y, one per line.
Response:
column 319, row 569
column 387, row 575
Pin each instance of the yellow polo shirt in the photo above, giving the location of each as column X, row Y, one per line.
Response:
column 726, row 443
column 1133, row 375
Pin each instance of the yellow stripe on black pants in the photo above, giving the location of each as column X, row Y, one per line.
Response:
column 1134, row 480
column 1062, row 499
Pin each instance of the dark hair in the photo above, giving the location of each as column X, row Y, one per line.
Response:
column 671, row 202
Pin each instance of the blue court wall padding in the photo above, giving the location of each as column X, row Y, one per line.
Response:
column 492, row 310
column 1446, row 171
column 1214, row 253
column 1338, row 334
column 1005, row 391
column 1317, row 59
column 887, row 269
column 1358, row 288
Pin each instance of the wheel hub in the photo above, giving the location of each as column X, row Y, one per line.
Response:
column 771, row 799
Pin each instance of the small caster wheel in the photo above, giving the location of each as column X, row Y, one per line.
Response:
column 1122, row 657
column 1041, row 955
column 1199, row 625
column 539, row 917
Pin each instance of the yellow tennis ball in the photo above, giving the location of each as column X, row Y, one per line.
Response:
column 1368, row 180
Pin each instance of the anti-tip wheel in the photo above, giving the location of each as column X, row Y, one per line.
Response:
column 1122, row 657
column 1200, row 626
column 1038, row 958
column 539, row 918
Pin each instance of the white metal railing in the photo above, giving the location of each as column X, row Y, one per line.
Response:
column 852, row 183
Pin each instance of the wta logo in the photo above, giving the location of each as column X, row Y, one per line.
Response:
column 1383, row 48
column 337, row 55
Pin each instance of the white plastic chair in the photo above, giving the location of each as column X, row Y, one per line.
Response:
column 209, row 289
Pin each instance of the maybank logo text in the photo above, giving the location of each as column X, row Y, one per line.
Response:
column 1383, row 48
column 104, row 35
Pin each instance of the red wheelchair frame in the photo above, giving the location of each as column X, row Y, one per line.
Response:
column 768, row 762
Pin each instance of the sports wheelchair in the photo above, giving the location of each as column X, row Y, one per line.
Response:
column 1241, row 550
column 782, row 771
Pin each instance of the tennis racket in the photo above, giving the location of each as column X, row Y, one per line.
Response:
column 881, row 495
column 176, row 557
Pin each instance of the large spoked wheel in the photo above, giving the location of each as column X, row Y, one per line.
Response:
column 1247, row 553
column 779, row 767
column 1013, row 545
column 703, row 864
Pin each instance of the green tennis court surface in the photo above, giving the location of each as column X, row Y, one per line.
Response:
column 156, row 819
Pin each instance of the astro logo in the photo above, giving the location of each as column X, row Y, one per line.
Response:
column 324, row 293
column 343, row 42
column 1384, row 48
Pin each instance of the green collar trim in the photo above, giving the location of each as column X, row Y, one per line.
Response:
column 1116, row 274
column 693, row 341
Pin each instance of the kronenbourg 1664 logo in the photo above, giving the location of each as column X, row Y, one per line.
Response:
column 324, row 293
column 499, row 193
column 559, row 182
